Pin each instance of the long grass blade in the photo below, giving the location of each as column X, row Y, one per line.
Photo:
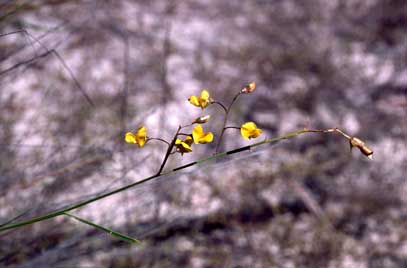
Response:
column 118, row 235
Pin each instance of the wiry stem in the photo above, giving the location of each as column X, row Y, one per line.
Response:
column 221, row 105
column 184, row 134
column 225, row 119
column 158, row 139
column 104, row 229
column 230, row 127
column 168, row 153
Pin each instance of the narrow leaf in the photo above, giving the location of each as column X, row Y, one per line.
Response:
column 118, row 235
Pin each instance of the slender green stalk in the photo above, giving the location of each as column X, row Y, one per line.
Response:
column 231, row 128
column 168, row 153
column 173, row 171
column 15, row 218
column 225, row 119
column 159, row 139
column 104, row 229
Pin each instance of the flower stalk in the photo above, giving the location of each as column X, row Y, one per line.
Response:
column 248, row 130
column 63, row 211
column 225, row 119
column 168, row 153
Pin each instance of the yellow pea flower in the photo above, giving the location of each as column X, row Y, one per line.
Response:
column 249, row 130
column 201, row 101
column 139, row 138
column 184, row 146
column 200, row 137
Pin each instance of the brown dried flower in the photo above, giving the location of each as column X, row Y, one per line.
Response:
column 249, row 88
column 358, row 143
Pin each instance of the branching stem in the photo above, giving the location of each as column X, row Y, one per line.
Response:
column 168, row 153
column 225, row 119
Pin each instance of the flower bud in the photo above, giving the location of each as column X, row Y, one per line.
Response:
column 358, row 143
column 202, row 119
column 249, row 88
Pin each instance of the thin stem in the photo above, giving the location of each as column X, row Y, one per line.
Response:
column 234, row 99
column 221, row 105
column 184, row 134
column 343, row 133
column 158, row 139
column 225, row 119
column 231, row 127
column 186, row 126
column 168, row 153
column 104, row 229
column 331, row 130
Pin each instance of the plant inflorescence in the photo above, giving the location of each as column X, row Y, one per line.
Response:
column 183, row 142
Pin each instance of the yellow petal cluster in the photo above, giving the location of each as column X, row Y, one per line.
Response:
column 139, row 138
column 201, row 101
column 184, row 146
column 200, row 136
column 249, row 130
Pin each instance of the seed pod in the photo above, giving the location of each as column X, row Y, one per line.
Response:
column 358, row 143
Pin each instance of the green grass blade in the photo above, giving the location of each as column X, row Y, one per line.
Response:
column 15, row 218
column 118, row 235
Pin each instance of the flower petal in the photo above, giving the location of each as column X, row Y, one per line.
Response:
column 257, row 132
column 141, row 136
column 189, row 140
column 141, row 132
column 208, row 137
column 194, row 101
column 186, row 147
column 200, row 137
column 197, row 133
column 249, row 130
column 244, row 132
column 130, row 138
column 205, row 95
column 141, row 142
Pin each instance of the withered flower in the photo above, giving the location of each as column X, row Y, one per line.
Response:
column 358, row 143
column 249, row 88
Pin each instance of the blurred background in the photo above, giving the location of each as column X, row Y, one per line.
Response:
column 76, row 75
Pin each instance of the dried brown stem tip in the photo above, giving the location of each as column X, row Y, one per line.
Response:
column 356, row 142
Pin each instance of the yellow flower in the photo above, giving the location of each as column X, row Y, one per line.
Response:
column 200, row 137
column 249, row 130
column 201, row 101
column 139, row 138
column 185, row 145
